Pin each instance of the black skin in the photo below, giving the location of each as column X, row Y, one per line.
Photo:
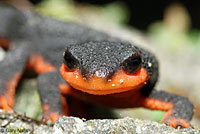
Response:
column 85, row 48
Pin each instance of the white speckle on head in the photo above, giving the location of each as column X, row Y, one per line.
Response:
column 76, row 73
column 76, row 76
column 63, row 53
column 113, row 85
column 121, row 81
column 109, row 80
column 145, row 82
column 149, row 64
column 100, row 74
column 97, row 74
column 2, row 54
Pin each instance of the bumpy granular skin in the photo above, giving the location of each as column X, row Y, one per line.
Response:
column 103, row 57
column 11, row 29
column 38, row 43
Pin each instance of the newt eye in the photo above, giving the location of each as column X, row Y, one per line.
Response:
column 132, row 64
column 69, row 60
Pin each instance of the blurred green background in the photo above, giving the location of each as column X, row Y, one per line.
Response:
column 172, row 26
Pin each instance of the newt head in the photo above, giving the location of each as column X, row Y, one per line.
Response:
column 103, row 67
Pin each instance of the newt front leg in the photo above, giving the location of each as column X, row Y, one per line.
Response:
column 54, row 104
column 179, row 109
column 11, row 70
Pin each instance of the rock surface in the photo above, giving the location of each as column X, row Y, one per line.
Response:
column 11, row 121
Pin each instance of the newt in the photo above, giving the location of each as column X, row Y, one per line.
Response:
column 75, row 60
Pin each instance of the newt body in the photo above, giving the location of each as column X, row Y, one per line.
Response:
column 96, row 68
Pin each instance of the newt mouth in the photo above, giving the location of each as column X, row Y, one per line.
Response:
column 120, row 81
